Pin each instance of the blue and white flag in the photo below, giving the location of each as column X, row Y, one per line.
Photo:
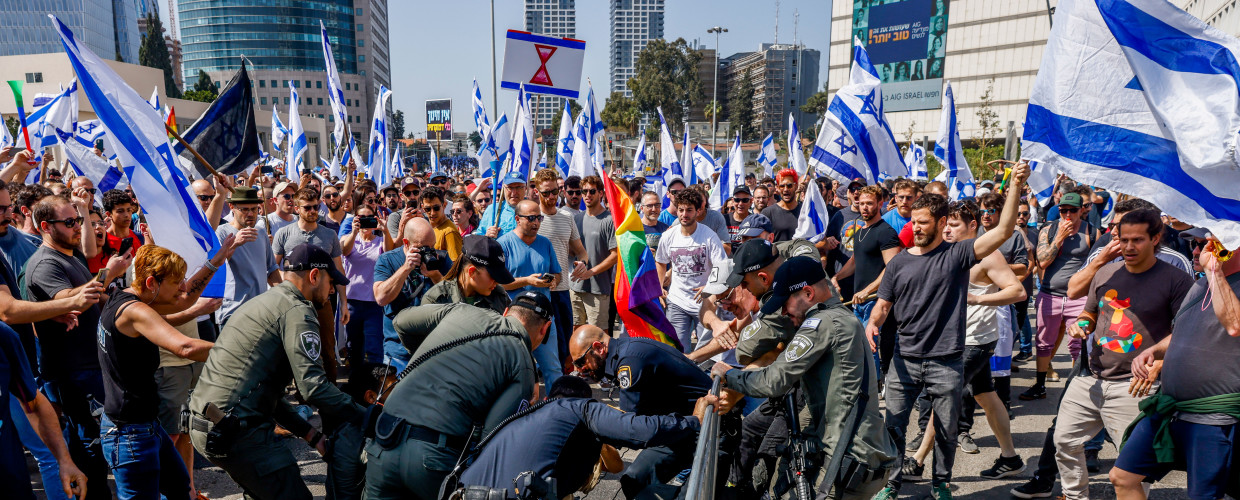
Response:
column 703, row 164
column 1142, row 100
column 335, row 95
column 581, row 164
column 855, row 139
column 397, row 168
column 154, row 100
column 174, row 216
column 295, row 158
column 796, row 155
column 6, row 139
column 672, row 168
column 564, row 148
column 947, row 149
column 523, row 136
column 814, row 216
column 915, row 162
column 731, row 175
column 378, row 151
column 481, row 122
column 278, row 130
column 639, row 156
column 53, row 112
column 434, row 161
column 686, row 159
column 495, row 142
column 89, row 133
column 767, row 157
column 542, row 159
column 340, row 165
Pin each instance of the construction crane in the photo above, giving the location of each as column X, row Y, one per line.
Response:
column 172, row 20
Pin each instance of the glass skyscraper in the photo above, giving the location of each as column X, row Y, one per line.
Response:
column 108, row 27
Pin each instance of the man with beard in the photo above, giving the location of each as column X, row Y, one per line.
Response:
column 271, row 341
column 68, row 364
column 927, row 290
column 874, row 245
column 284, row 214
column 784, row 215
column 211, row 201
column 572, row 194
column 335, row 214
column 253, row 266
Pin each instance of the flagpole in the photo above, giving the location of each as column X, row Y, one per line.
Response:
column 494, row 94
column 191, row 149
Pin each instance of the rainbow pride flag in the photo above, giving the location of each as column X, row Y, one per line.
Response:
column 637, row 289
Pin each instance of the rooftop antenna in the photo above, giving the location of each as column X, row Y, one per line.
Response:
column 777, row 22
column 796, row 19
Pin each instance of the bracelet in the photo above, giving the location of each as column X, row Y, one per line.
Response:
column 211, row 267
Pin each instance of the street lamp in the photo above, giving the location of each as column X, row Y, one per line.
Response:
column 714, row 96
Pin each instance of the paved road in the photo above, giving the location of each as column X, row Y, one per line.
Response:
column 1028, row 429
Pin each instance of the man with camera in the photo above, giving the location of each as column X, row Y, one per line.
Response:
column 402, row 276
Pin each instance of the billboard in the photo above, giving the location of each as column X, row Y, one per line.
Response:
column 439, row 119
column 907, row 43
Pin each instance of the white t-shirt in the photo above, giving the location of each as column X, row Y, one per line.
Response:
column 689, row 259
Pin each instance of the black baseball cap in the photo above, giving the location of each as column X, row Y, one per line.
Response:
column 536, row 302
column 754, row 225
column 487, row 253
column 751, row 256
column 305, row 257
column 794, row 274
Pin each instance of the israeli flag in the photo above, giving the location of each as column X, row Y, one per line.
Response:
column 523, row 136
column 481, row 123
column 672, row 167
column 855, row 139
column 639, row 156
column 397, row 168
column 564, row 148
column 378, row 152
column 947, row 149
column 686, row 159
column 58, row 117
column 138, row 132
column 915, row 162
column 813, row 219
column 796, row 155
column 6, row 139
column 295, row 159
column 767, row 157
column 596, row 125
column 542, row 159
column 703, row 164
column 339, row 165
column 278, row 130
column 1142, row 100
column 495, row 142
column 581, row 164
column 335, row 95
column 731, row 175
column 154, row 100
column 90, row 132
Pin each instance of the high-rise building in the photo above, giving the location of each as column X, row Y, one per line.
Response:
column 108, row 28
column 1222, row 14
column 280, row 40
column 783, row 77
column 551, row 18
column 633, row 24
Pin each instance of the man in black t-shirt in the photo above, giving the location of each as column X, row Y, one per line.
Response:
column 785, row 214
column 926, row 290
column 874, row 245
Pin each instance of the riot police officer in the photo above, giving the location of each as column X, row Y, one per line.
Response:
column 269, row 341
column 830, row 357
column 561, row 439
column 471, row 369
column 654, row 379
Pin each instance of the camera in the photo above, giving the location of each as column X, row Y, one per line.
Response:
column 368, row 222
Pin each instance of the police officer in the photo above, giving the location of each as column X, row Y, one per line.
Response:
column 471, row 369
column 654, row 379
column 830, row 357
column 474, row 279
column 562, row 438
column 269, row 341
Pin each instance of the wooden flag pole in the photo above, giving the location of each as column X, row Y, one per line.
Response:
column 191, row 150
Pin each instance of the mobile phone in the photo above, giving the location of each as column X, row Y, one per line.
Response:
column 368, row 222
column 411, row 203
column 126, row 244
column 101, row 275
column 545, row 277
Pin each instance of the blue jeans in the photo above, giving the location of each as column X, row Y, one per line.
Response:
column 1022, row 325
column 685, row 323
column 143, row 460
column 365, row 332
column 862, row 311
column 49, row 469
column 79, row 394
column 547, row 356
column 562, row 306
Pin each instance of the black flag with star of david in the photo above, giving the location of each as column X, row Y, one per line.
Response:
column 225, row 134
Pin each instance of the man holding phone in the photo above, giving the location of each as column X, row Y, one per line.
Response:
column 533, row 264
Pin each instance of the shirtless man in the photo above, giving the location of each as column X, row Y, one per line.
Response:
column 992, row 284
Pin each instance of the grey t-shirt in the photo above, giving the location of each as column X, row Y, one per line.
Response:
column 62, row 350
column 273, row 223
column 291, row 236
column 561, row 228
column 928, row 294
column 1199, row 340
column 247, row 270
column 1072, row 253
column 599, row 238
column 783, row 222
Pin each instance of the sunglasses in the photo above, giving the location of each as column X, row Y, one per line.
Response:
column 589, row 191
column 432, row 208
column 580, row 362
column 531, row 218
column 90, row 190
column 574, row 192
column 1068, row 210
column 457, row 211
column 331, row 195
column 69, row 223
column 987, row 211
column 286, row 196
column 743, row 200
column 202, row 197
column 787, row 186
column 552, row 192
column 1022, row 214
column 439, row 182
column 310, row 208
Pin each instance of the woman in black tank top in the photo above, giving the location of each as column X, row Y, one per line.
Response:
column 131, row 330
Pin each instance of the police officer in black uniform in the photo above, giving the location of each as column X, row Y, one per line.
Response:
column 654, row 379
column 561, row 439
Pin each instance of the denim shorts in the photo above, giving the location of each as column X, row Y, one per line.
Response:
column 1209, row 453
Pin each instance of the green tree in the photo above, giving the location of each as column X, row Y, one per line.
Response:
column 817, row 103
column 203, row 90
column 13, row 126
column 574, row 109
column 621, row 113
column 476, row 139
column 398, row 124
column 666, row 77
column 154, row 54
column 711, row 109
column 988, row 127
column 740, row 107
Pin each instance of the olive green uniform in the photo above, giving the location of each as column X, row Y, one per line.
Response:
column 269, row 341
column 473, row 386
column 829, row 355
column 766, row 332
column 449, row 292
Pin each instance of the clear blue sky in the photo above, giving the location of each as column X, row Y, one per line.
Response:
column 439, row 47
